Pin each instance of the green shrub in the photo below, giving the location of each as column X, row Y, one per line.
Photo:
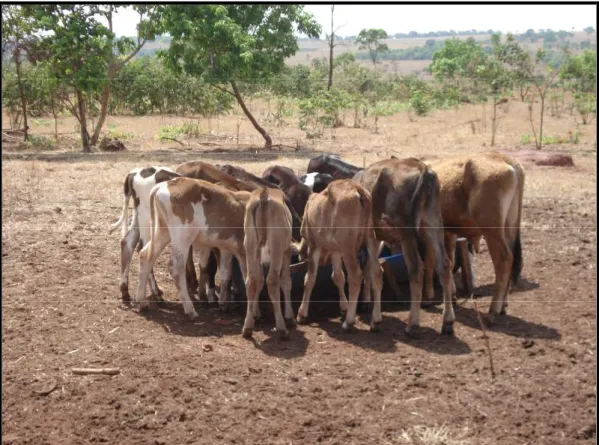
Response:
column 188, row 129
column 525, row 139
column 420, row 103
column 40, row 142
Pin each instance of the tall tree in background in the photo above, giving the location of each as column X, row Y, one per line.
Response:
column 370, row 39
column 126, row 49
column 332, row 44
column 83, row 54
column 16, row 40
column 228, row 43
column 535, row 70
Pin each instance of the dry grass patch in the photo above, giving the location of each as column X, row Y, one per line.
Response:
column 433, row 435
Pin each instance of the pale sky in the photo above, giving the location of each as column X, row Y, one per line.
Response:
column 425, row 18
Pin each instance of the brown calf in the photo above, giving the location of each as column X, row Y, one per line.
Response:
column 481, row 195
column 337, row 223
column 188, row 212
column 406, row 210
column 297, row 192
column 267, row 228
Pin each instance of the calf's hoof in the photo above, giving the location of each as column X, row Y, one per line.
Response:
column 192, row 316
column 224, row 307
column 301, row 319
column 143, row 307
column 157, row 298
column 346, row 327
column 283, row 334
column 247, row 332
column 412, row 331
column 503, row 310
column 447, row 328
column 376, row 327
column 290, row 323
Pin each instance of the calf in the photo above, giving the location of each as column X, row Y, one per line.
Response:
column 243, row 175
column 316, row 181
column 337, row 223
column 208, row 265
column 138, row 184
column 332, row 165
column 267, row 228
column 189, row 212
column 406, row 210
column 297, row 192
column 481, row 195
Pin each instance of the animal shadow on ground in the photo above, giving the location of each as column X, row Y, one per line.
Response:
column 212, row 322
column 486, row 290
column 392, row 332
column 507, row 324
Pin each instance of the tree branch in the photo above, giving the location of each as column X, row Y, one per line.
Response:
column 224, row 90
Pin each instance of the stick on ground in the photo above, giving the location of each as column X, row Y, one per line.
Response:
column 485, row 336
column 106, row 371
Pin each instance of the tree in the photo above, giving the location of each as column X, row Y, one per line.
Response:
column 82, row 53
column 458, row 64
column 370, row 39
column 17, row 39
column 229, row 43
column 126, row 50
column 580, row 73
column 331, row 42
column 535, row 71
column 589, row 30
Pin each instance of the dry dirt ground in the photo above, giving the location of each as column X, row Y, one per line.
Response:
column 203, row 383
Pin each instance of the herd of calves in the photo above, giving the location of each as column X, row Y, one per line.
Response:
column 328, row 215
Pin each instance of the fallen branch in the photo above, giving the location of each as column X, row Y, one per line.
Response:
column 87, row 371
column 45, row 392
column 485, row 336
column 171, row 139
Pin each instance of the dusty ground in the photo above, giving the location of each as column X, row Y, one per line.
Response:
column 202, row 383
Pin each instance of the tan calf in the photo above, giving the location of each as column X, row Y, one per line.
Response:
column 189, row 212
column 268, row 238
column 481, row 195
column 337, row 223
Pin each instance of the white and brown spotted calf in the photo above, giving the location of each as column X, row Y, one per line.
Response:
column 337, row 223
column 189, row 212
column 268, row 227
column 138, row 184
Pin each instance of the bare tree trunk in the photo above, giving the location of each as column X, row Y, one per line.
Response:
column 494, row 122
column 331, row 46
column 17, row 56
column 103, row 113
column 83, row 122
column 540, row 145
column 262, row 131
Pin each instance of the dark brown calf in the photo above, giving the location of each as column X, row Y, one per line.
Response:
column 406, row 210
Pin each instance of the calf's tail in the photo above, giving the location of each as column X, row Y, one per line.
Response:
column 122, row 221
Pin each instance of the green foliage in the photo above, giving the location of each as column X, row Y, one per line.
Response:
column 424, row 52
column 571, row 138
column 146, row 86
column 420, row 103
column 226, row 42
column 322, row 111
column 370, row 39
column 188, row 129
column 41, row 142
column 580, row 74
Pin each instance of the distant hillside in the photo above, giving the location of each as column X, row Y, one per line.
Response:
column 412, row 52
